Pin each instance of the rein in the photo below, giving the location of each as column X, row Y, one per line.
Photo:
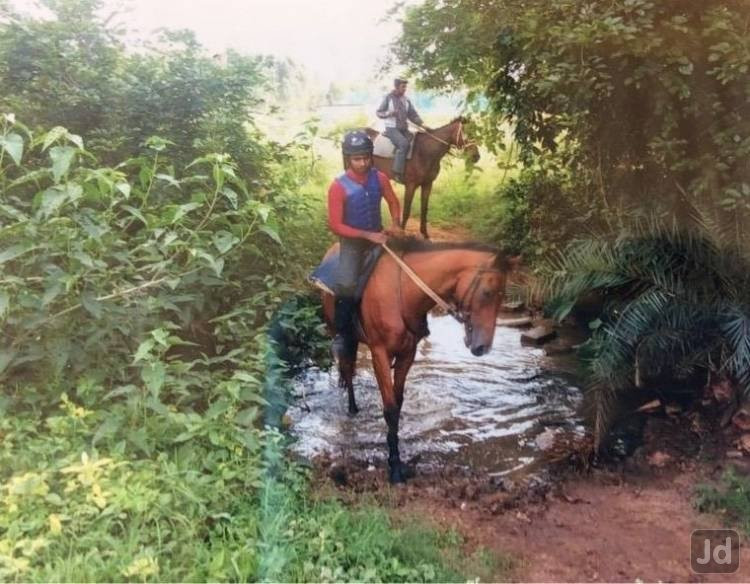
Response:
column 459, row 135
column 424, row 287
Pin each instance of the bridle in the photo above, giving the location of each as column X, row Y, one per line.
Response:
column 460, row 141
column 463, row 309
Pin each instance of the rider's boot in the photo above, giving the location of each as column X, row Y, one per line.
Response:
column 345, row 341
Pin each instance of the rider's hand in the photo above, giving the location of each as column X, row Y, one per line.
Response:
column 377, row 237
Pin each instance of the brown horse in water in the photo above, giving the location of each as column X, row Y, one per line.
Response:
column 424, row 165
column 393, row 309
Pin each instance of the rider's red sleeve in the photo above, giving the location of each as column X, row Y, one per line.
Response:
column 336, row 198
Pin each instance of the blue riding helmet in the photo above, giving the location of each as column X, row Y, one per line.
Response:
column 356, row 142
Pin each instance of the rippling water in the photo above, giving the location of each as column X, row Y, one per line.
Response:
column 482, row 412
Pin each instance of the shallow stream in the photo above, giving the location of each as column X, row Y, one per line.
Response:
column 487, row 413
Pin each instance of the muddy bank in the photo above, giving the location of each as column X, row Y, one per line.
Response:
column 623, row 520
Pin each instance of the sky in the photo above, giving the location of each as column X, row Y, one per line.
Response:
column 335, row 40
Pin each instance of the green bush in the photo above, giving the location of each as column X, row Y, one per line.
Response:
column 674, row 303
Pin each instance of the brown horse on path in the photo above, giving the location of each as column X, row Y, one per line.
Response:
column 424, row 165
column 393, row 308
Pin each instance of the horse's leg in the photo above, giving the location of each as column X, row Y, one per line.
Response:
column 401, row 368
column 408, row 198
column 381, row 363
column 424, row 200
column 346, row 379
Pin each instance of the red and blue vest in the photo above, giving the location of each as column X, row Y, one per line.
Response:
column 362, row 203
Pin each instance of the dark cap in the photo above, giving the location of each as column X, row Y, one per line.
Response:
column 356, row 142
column 399, row 81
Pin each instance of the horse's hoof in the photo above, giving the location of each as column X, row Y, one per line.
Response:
column 399, row 473
column 396, row 477
column 353, row 410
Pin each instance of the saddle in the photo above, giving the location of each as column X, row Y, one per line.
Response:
column 324, row 276
column 384, row 148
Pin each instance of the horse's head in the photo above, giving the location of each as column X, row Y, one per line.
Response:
column 460, row 139
column 481, row 291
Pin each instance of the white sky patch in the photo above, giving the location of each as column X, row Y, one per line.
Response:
column 334, row 40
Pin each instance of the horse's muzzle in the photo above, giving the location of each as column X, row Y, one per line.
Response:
column 480, row 350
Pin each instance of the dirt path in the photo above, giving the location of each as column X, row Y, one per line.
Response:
column 627, row 530
column 436, row 233
column 602, row 527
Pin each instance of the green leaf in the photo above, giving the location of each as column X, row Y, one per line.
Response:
column 153, row 375
column 169, row 179
column 51, row 292
column 157, row 143
column 53, row 136
column 161, row 336
column 51, row 200
column 181, row 210
column 231, row 196
column 217, row 264
column 62, row 157
column 263, row 210
column 13, row 144
column 143, row 350
column 76, row 139
column 14, row 251
column 270, row 232
column 124, row 188
column 91, row 304
column 224, row 241
column 135, row 212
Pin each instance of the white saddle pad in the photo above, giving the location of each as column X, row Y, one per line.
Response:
column 384, row 148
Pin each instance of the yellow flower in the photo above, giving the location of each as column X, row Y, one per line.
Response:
column 55, row 525
column 98, row 496
column 143, row 567
column 14, row 565
column 88, row 471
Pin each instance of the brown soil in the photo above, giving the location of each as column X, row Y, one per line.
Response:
column 604, row 526
column 437, row 233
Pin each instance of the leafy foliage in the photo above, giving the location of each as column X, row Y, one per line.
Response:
column 139, row 278
column 674, row 302
column 116, row 99
column 648, row 99
column 537, row 213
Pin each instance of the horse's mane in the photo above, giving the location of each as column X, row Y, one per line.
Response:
column 411, row 244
